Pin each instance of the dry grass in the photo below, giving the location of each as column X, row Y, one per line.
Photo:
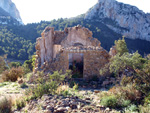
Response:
column 13, row 74
column 5, row 105
column 61, row 88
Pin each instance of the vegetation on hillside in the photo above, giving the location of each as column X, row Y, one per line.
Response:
column 130, row 94
column 18, row 41
column 134, row 73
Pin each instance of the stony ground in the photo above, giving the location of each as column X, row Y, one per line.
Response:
column 81, row 101
column 84, row 100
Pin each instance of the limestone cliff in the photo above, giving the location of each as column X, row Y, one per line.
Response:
column 10, row 8
column 122, row 18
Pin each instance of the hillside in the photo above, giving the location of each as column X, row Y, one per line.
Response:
column 9, row 7
column 6, row 18
column 18, row 41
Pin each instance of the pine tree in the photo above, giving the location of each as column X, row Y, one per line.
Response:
column 121, row 46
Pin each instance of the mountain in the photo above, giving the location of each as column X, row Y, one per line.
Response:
column 7, row 19
column 124, row 19
column 9, row 7
column 18, row 41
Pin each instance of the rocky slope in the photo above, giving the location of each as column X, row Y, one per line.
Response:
column 9, row 7
column 122, row 18
column 6, row 18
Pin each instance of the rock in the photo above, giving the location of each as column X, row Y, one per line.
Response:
column 60, row 109
column 48, row 111
column 87, row 98
column 107, row 109
column 44, row 106
column 105, row 83
column 135, row 23
column 20, row 81
column 113, row 51
column 48, row 107
column 10, row 8
column 96, row 91
column 68, row 108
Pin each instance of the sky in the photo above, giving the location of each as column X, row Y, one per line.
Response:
column 32, row 11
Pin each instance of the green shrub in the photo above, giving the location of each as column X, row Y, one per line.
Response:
column 75, row 87
column 147, row 100
column 5, row 105
column 121, row 46
column 50, row 85
column 24, row 85
column 127, row 93
column 13, row 74
column 132, row 108
column 125, row 103
column 15, row 64
column 71, row 83
column 3, row 66
column 65, row 93
column 29, row 64
column 109, row 101
column 44, row 88
column 144, row 109
column 20, row 104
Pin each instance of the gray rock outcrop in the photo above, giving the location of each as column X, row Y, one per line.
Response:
column 122, row 18
column 10, row 8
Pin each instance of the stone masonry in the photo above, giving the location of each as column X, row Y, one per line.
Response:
column 57, row 50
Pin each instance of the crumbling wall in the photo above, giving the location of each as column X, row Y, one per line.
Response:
column 93, row 61
column 54, row 47
column 80, row 35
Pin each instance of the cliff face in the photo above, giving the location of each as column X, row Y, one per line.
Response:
column 122, row 18
column 10, row 8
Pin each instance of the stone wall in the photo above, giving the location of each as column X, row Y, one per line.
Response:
column 94, row 61
column 54, row 47
column 94, row 58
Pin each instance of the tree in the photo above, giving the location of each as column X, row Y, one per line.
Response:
column 121, row 46
column 2, row 64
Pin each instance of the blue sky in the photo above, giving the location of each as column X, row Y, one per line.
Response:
column 37, row 10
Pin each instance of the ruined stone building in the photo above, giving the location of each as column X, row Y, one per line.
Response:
column 74, row 48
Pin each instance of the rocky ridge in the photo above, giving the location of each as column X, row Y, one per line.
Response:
column 122, row 18
column 10, row 7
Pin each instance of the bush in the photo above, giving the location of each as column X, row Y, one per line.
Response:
column 2, row 65
column 15, row 64
column 131, row 108
column 44, row 88
column 13, row 74
column 121, row 46
column 50, row 85
column 109, row 101
column 5, row 105
column 24, row 85
column 62, row 88
column 75, row 87
column 127, row 93
column 20, row 104
column 144, row 109
column 125, row 103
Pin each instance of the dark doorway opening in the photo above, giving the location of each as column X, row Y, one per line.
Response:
column 76, row 64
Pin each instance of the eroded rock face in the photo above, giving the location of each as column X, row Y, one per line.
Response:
column 10, row 8
column 113, row 51
column 54, row 48
column 123, row 18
